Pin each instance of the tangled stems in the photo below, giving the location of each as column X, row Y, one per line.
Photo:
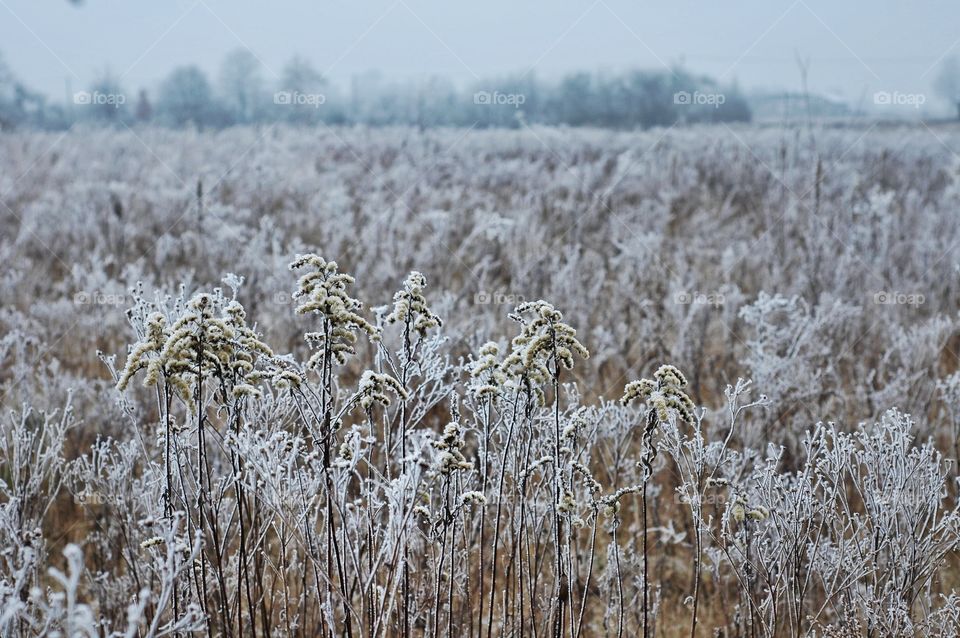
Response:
column 664, row 396
column 309, row 507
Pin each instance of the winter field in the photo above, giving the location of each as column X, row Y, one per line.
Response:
column 287, row 382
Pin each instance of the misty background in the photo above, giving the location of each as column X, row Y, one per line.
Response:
column 603, row 62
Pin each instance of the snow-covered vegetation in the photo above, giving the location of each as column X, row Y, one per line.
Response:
column 541, row 382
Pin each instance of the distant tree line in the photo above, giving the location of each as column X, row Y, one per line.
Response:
column 241, row 94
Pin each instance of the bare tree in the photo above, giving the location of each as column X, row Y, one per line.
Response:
column 185, row 96
column 241, row 85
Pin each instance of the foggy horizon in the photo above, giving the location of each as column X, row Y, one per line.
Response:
column 61, row 47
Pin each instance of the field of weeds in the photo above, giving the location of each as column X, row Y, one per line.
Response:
column 542, row 382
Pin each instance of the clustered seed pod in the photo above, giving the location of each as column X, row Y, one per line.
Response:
column 410, row 304
column 663, row 395
column 473, row 499
column 740, row 511
column 199, row 344
column 758, row 513
column 578, row 422
column 485, row 373
column 567, row 502
column 137, row 359
column 323, row 291
column 543, row 338
column 373, row 389
column 451, row 450
column 591, row 483
column 349, row 448
column 151, row 542
column 610, row 504
column 286, row 379
column 246, row 390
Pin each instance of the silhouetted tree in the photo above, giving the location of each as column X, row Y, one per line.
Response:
column 241, row 86
column 302, row 93
column 186, row 97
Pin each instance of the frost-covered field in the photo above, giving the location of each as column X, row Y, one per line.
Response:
column 178, row 459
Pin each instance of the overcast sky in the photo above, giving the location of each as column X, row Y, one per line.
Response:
column 854, row 47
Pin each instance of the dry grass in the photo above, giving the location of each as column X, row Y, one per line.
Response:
column 821, row 266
